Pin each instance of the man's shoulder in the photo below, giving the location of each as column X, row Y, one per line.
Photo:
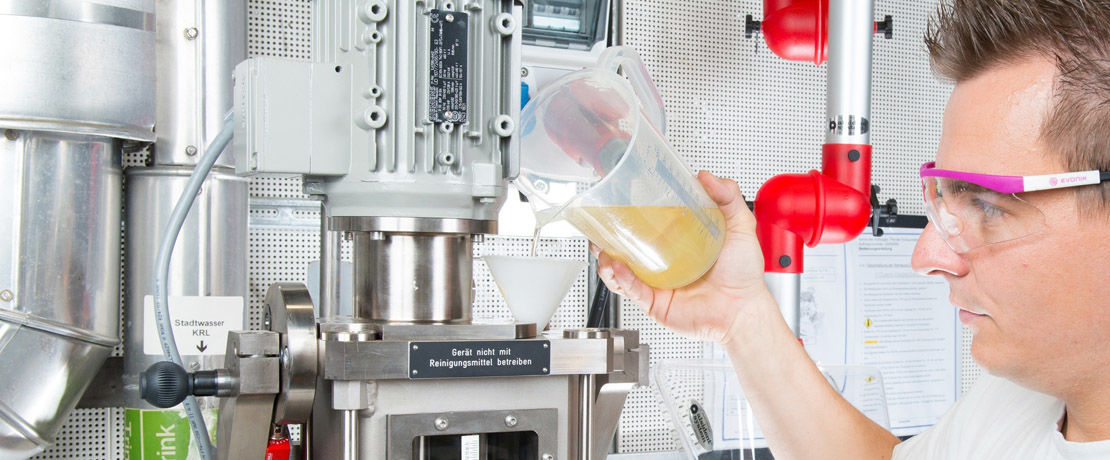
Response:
column 994, row 418
column 1004, row 393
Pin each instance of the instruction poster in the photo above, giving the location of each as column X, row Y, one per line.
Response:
column 862, row 305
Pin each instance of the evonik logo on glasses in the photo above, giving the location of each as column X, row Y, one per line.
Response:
column 1047, row 181
column 1066, row 180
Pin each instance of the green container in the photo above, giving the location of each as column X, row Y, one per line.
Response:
column 163, row 434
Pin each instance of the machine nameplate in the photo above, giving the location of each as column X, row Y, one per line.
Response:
column 472, row 358
column 447, row 67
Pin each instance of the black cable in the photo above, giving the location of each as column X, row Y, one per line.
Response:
column 599, row 307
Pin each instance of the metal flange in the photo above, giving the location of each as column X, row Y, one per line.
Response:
column 289, row 308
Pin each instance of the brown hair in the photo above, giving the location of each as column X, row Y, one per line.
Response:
column 968, row 37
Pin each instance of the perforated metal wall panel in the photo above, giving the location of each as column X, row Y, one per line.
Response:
column 89, row 434
column 737, row 110
column 733, row 109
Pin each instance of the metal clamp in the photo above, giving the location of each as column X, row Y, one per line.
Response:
column 289, row 307
column 253, row 365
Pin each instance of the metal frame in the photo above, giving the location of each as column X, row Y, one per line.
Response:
column 404, row 428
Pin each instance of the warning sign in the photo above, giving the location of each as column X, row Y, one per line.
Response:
column 200, row 324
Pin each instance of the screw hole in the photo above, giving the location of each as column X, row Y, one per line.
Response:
column 376, row 36
column 376, row 9
column 338, row 68
column 506, row 23
column 375, row 116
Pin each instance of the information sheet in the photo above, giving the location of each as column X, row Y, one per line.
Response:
column 864, row 309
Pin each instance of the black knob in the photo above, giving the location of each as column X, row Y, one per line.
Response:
column 885, row 27
column 164, row 384
column 751, row 26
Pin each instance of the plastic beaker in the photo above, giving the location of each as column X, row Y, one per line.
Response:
column 593, row 153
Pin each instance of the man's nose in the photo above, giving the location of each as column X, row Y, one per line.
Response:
column 932, row 256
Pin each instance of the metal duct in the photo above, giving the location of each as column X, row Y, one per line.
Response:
column 80, row 77
column 59, row 278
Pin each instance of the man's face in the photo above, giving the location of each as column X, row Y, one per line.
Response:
column 1039, row 307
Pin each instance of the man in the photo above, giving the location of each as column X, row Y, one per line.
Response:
column 1028, row 270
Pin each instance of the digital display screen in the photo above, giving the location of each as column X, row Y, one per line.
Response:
column 557, row 17
column 576, row 24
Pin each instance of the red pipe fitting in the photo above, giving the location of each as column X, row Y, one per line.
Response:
column 797, row 30
column 829, row 207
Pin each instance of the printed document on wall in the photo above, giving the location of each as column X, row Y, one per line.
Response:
column 862, row 305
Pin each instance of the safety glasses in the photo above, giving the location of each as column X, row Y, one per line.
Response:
column 974, row 210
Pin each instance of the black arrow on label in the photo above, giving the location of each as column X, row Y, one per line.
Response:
column 202, row 347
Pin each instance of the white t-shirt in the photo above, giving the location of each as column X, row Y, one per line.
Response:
column 999, row 419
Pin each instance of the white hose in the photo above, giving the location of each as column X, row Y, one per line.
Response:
column 162, row 270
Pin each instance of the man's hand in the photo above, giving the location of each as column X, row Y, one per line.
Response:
column 707, row 308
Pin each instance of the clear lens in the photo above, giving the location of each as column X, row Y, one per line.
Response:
column 970, row 216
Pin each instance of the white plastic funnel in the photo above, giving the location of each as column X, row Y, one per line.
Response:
column 533, row 286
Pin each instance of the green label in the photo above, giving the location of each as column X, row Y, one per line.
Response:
column 161, row 434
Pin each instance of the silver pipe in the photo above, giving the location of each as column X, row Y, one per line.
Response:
column 329, row 267
column 422, row 448
column 350, row 435
column 848, row 109
column 786, row 289
column 199, row 43
column 586, row 393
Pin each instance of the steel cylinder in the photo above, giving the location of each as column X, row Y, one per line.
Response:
column 209, row 258
column 59, row 277
column 78, row 66
column 412, row 277
column 199, row 44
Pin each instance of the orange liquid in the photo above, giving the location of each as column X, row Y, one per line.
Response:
column 665, row 246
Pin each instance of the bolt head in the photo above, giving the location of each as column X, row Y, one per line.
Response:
column 510, row 421
column 191, row 33
column 6, row 295
column 548, row 457
column 441, row 424
column 449, row 18
column 190, row 150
